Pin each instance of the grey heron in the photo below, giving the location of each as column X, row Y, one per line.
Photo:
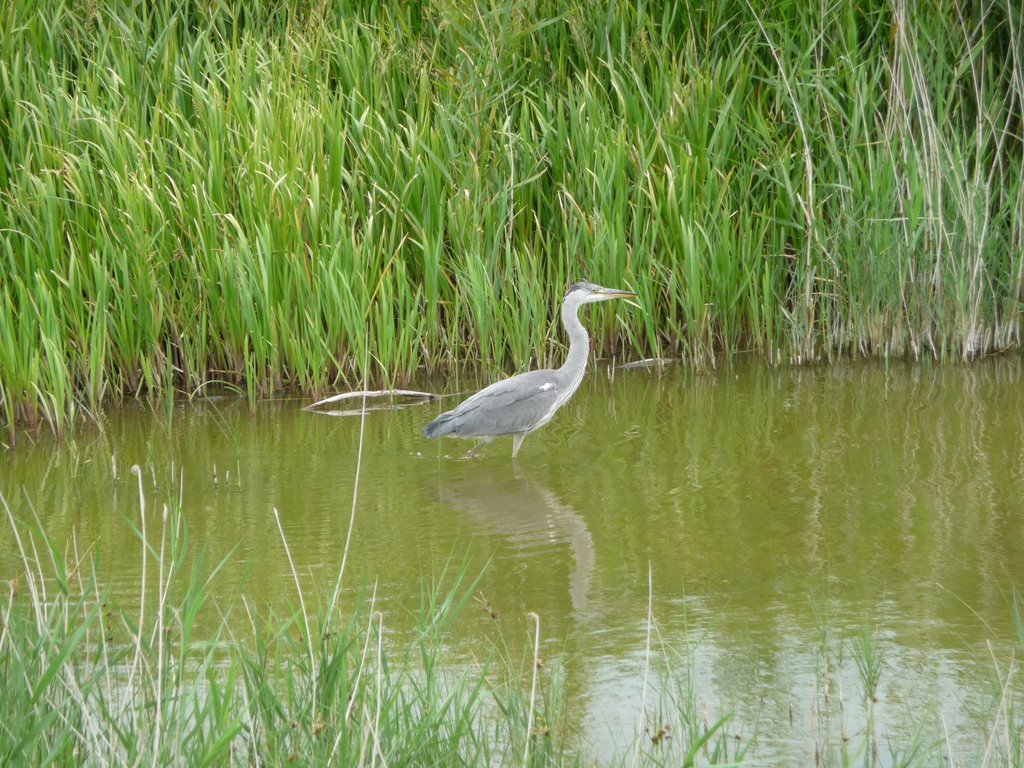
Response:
column 518, row 405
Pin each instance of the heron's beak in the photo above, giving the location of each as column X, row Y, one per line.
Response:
column 611, row 293
column 627, row 295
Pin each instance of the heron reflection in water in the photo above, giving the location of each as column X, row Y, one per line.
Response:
column 518, row 405
column 533, row 523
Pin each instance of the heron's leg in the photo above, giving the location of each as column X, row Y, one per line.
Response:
column 472, row 451
column 517, row 440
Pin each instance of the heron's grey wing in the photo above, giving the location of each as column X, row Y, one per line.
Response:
column 506, row 407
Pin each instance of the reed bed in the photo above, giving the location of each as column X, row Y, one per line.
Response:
column 195, row 193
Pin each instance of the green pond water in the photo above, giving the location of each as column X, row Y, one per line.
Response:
column 786, row 520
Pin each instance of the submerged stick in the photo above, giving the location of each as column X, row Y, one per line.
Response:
column 650, row 362
column 374, row 393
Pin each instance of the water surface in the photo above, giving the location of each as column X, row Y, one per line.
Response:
column 782, row 517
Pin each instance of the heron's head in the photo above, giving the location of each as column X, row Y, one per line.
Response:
column 587, row 293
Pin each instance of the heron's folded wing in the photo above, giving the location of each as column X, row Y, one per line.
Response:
column 506, row 407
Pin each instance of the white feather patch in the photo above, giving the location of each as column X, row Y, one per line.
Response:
column 546, row 387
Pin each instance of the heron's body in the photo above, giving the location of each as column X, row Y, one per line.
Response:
column 518, row 405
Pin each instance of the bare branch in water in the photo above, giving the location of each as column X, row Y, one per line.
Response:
column 374, row 393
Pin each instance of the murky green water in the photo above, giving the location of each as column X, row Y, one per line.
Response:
column 784, row 516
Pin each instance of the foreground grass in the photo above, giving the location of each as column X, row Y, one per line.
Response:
column 86, row 682
column 254, row 193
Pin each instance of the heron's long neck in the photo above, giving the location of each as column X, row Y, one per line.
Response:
column 579, row 344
